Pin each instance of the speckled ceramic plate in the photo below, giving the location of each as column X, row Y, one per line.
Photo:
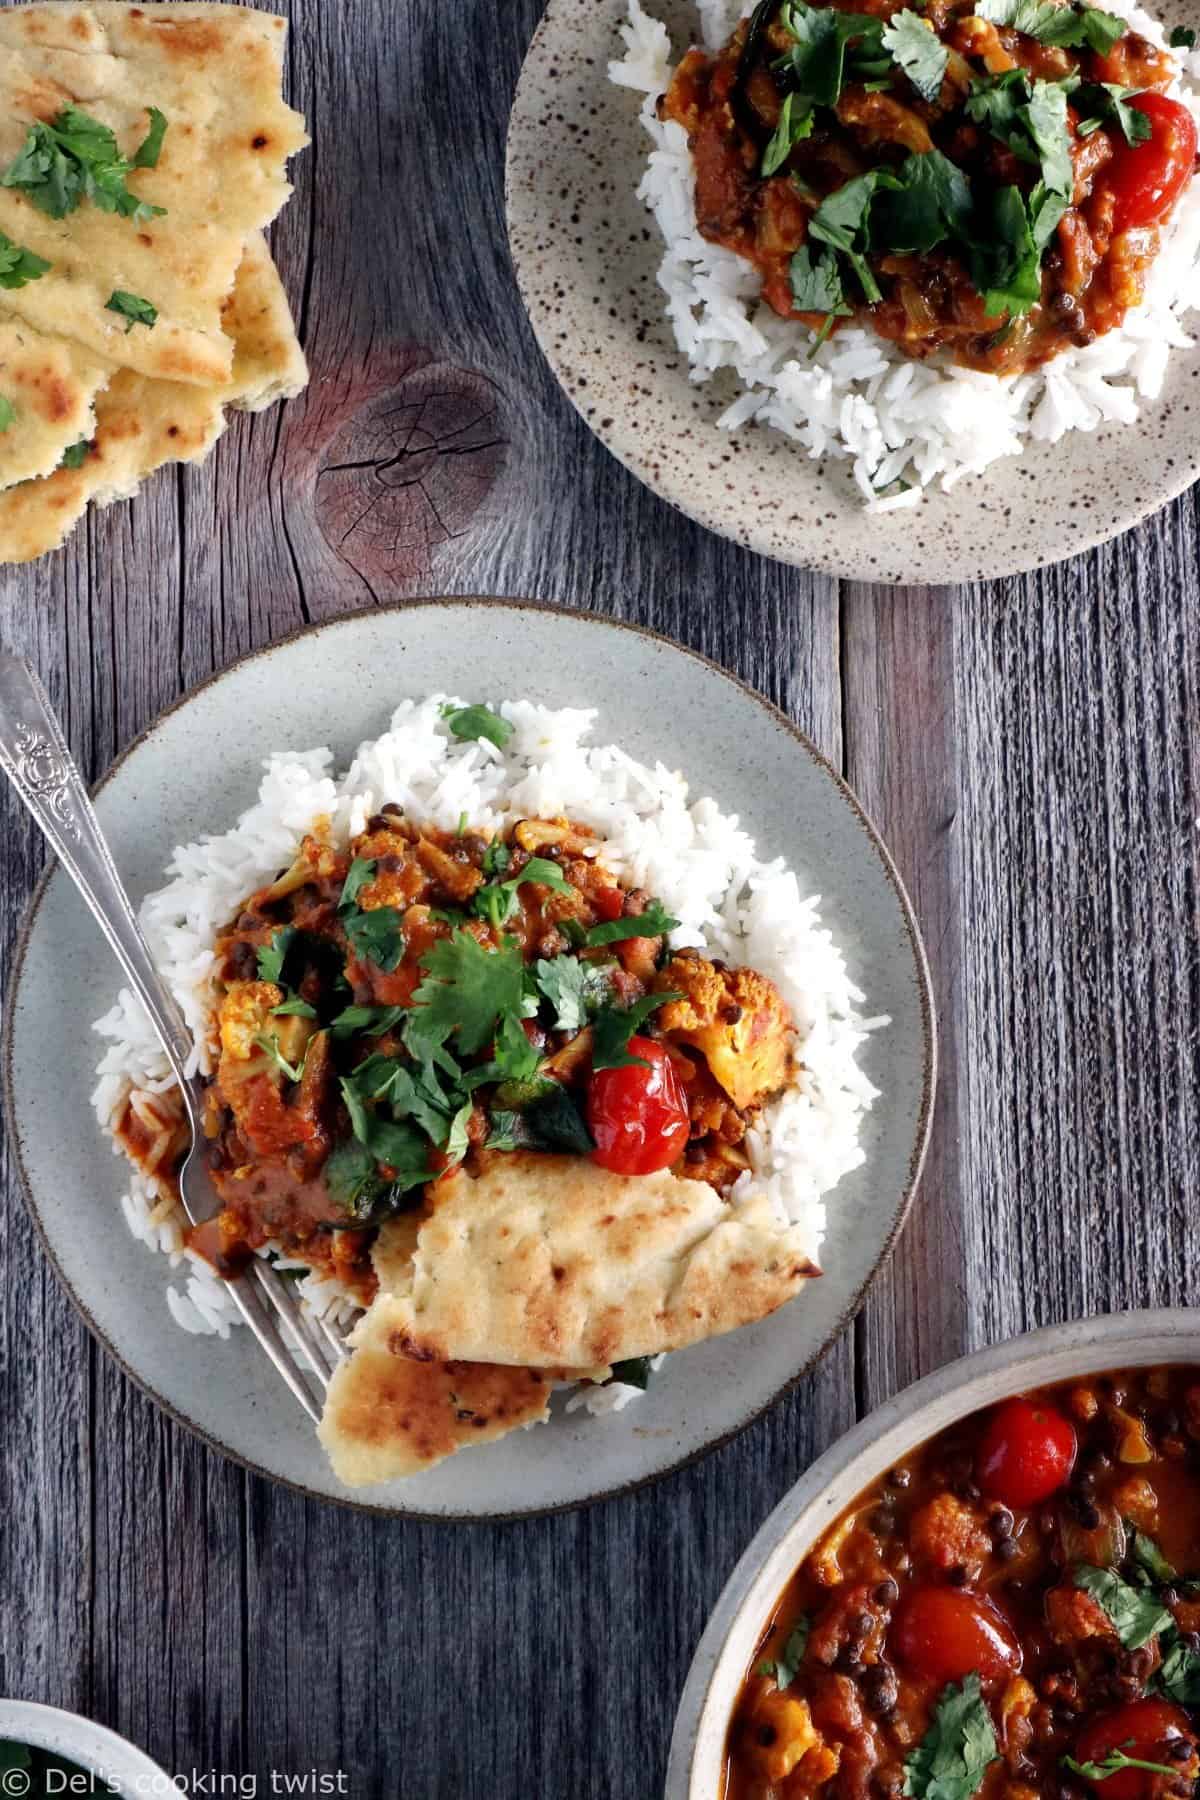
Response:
column 198, row 767
column 586, row 254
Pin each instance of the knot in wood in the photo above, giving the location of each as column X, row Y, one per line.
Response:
column 409, row 470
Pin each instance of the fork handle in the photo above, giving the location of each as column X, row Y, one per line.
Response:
column 35, row 757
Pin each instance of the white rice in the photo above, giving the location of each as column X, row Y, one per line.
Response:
column 693, row 857
column 858, row 398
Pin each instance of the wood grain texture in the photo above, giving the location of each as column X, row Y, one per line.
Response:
column 1030, row 751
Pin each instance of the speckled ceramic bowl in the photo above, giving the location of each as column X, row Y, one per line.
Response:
column 586, row 254
column 1058, row 1353
column 121, row 1766
column 199, row 766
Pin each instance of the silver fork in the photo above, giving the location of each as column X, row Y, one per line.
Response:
column 35, row 757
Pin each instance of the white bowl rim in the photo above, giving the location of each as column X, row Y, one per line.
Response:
column 1135, row 1339
column 95, row 1748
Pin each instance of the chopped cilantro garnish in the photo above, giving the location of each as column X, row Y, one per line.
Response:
column 919, row 51
column 75, row 158
column 270, row 1044
column 510, row 1131
column 1149, row 1564
column 1113, row 1763
column 514, row 1058
column 795, row 124
column 75, row 455
column 841, row 221
column 829, row 48
column 465, row 991
column 8, row 413
column 1180, row 1673
column 817, row 286
column 358, row 875
column 929, row 202
column 959, row 1747
column 376, row 937
column 1073, row 27
column 496, row 858
column 614, row 1026
column 477, row 722
column 498, row 900
column 457, row 1140
column 19, row 266
column 150, row 149
column 372, row 1021
column 132, row 308
column 1104, row 103
column 654, row 922
column 573, row 988
column 294, row 1007
column 783, row 1670
column 1135, row 1614
column 271, row 956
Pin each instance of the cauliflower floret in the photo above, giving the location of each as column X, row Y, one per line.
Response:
column 780, row 1731
column 737, row 1020
column 246, row 1015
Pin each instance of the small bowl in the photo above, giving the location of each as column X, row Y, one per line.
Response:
column 1057, row 1353
column 110, row 1758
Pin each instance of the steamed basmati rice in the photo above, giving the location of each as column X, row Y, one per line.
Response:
column 695, row 858
column 857, row 397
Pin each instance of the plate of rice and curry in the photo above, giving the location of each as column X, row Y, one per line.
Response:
column 899, row 292
column 574, row 1060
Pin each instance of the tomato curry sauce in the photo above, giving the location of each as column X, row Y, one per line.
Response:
column 1013, row 1612
column 959, row 184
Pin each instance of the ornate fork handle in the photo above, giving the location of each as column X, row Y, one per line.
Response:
column 37, row 761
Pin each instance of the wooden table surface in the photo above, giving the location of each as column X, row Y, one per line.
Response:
column 1028, row 749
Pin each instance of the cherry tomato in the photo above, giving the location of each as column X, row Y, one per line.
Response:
column 1143, row 1729
column 946, row 1633
column 638, row 1116
column 1147, row 179
column 1027, row 1453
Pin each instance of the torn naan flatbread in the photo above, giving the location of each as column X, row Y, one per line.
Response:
column 387, row 1416
column 551, row 1260
column 142, row 424
column 215, row 72
column 51, row 385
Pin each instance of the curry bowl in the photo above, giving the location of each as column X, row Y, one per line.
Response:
column 737, row 1632
column 70, row 1755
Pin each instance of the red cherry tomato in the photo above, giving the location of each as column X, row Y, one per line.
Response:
column 1026, row 1454
column 1143, row 1729
column 638, row 1116
column 1147, row 179
column 945, row 1634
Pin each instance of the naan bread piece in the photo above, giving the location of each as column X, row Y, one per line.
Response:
column 552, row 1260
column 216, row 73
column 52, row 386
column 387, row 1416
column 142, row 424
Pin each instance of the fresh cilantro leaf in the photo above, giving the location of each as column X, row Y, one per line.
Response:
column 372, row 1021
column 1046, row 117
column 635, row 1371
column 997, row 102
column 150, row 149
column 842, row 220
column 8, row 413
column 783, row 1671
column 817, row 286
column 919, row 51
column 959, row 1747
column 416, row 1095
column 457, row 1140
column 573, row 988
column 357, row 876
column 271, row 1046
column 496, row 858
column 350, row 1176
column 19, row 266
column 1104, row 103
column 75, row 455
column 71, row 159
column 614, row 1026
column 510, row 1131
column 1147, row 1556
column 557, row 1123
column 829, row 48
column 132, row 308
column 1045, row 211
column 1073, row 27
column 795, row 124
column 465, row 991
column 1182, row 38
column 1136, row 1615
column 271, row 957
column 1005, row 262
column 497, row 902
column 514, row 1058
column 403, row 1151
column 1179, row 1675
column 376, row 937
column 477, row 722
column 294, row 1006
column 1113, row 1763
column 653, row 922
column 930, row 202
